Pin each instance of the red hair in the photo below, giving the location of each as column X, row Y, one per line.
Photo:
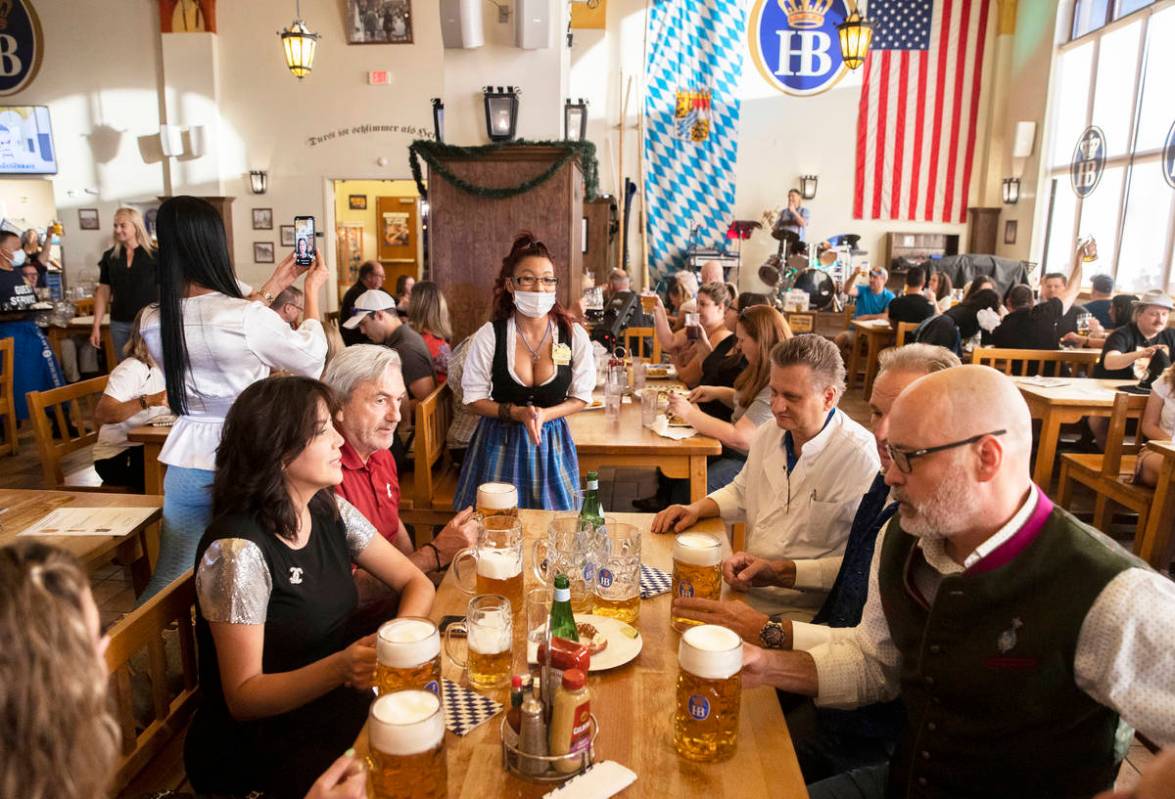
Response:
column 525, row 246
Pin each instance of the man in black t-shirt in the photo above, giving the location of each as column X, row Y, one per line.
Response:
column 1040, row 326
column 15, row 293
column 1146, row 333
column 912, row 306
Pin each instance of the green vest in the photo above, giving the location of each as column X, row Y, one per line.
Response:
column 992, row 706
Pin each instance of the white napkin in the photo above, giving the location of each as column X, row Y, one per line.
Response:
column 661, row 427
column 988, row 319
column 600, row 781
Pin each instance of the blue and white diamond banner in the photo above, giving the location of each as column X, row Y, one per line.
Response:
column 695, row 60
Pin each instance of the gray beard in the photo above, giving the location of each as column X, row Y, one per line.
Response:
column 946, row 513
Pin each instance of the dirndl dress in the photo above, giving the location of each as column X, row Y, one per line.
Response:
column 545, row 475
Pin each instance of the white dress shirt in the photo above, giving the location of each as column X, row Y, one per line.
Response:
column 477, row 380
column 1124, row 658
column 232, row 343
column 803, row 516
column 129, row 380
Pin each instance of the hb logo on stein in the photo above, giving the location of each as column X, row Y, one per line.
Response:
column 605, row 578
column 699, row 707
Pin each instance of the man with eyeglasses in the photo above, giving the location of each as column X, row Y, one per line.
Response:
column 288, row 305
column 1014, row 635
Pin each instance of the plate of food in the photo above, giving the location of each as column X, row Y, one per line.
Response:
column 611, row 642
column 676, row 421
column 594, row 405
column 659, row 371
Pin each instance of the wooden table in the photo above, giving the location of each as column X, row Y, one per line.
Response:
column 879, row 334
column 152, row 439
column 82, row 325
column 1066, row 402
column 27, row 507
column 633, row 704
column 626, row 442
column 1160, row 526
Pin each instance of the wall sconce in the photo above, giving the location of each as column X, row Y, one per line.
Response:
column 575, row 120
column 856, row 34
column 808, row 187
column 299, row 44
column 438, row 119
column 1011, row 191
column 258, row 181
column 501, row 112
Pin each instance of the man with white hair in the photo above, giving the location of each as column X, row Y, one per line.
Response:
column 1015, row 635
column 711, row 272
column 368, row 383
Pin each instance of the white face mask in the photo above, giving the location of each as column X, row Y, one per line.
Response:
column 534, row 304
column 18, row 258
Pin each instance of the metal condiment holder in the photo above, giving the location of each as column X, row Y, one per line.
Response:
column 544, row 768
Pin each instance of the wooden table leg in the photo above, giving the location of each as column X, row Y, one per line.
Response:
column 854, row 356
column 872, row 363
column 152, row 469
column 697, row 477
column 1046, row 450
column 1157, row 536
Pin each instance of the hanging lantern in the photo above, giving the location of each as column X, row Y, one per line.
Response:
column 856, row 34
column 299, row 44
column 501, row 107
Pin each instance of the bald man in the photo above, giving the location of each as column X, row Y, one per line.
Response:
column 1014, row 635
column 711, row 272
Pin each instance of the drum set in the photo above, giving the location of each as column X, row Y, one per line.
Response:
column 792, row 268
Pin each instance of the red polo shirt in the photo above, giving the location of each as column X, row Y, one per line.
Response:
column 373, row 488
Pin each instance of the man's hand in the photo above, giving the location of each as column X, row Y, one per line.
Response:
column 345, row 779
column 459, row 533
column 738, row 616
column 756, row 662
column 675, row 519
column 742, row 571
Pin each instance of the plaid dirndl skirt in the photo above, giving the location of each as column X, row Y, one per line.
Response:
column 501, row 452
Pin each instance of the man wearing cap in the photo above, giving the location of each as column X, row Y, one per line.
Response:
column 1101, row 293
column 1146, row 334
column 375, row 316
column 870, row 304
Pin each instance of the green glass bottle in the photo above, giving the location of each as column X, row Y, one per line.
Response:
column 562, row 619
column 592, row 515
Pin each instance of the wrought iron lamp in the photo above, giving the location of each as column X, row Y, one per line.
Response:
column 575, row 120
column 299, row 44
column 856, row 34
column 438, row 119
column 808, row 187
column 501, row 112
column 258, row 181
column 1011, row 191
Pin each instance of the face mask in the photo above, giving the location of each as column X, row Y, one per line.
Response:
column 18, row 258
column 534, row 304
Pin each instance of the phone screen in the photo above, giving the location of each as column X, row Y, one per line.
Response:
column 304, row 245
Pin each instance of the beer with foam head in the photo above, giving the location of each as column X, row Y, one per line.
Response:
column 489, row 633
column 697, row 570
column 499, row 571
column 497, row 499
column 709, row 693
column 408, row 655
column 497, row 560
column 406, row 736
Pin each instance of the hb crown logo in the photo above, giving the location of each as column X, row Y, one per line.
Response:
column 1089, row 161
column 795, row 44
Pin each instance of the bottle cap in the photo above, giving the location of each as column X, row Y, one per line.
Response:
column 516, row 682
column 561, row 581
column 574, row 679
column 593, row 476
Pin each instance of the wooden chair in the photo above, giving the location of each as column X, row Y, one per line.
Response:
column 1019, row 363
column 427, row 493
column 638, row 335
column 143, row 629
column 7, row 397
column 905, row 329
column 72, row 408
column 1111, row 476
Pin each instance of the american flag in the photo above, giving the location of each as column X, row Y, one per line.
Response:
column 919, row 109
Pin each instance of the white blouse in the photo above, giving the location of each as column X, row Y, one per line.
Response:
column 130, row 379
column 232, row 343
column 477, row 381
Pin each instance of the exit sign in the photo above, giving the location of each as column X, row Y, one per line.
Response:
column 379, row 77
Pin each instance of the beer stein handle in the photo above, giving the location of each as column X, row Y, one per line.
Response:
column 469, row 587
column 458, row 662
column 537, row 560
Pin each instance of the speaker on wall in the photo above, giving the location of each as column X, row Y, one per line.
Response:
column 1025, row 139
column 532, row 24
column 461, row 24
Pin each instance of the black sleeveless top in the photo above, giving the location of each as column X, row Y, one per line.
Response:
column 720, row 369
column 507, row 389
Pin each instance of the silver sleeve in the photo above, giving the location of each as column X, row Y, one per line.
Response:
column 360, row 531
column 233, row 582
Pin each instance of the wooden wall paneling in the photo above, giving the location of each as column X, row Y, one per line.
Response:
column 983, row 230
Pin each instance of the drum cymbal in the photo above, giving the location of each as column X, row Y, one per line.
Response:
column 769, row 271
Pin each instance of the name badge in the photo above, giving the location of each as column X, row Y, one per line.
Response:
column 561, row 354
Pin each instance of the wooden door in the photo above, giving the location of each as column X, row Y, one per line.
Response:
column 397, row 233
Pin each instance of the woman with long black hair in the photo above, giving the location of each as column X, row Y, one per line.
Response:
column 212, row 343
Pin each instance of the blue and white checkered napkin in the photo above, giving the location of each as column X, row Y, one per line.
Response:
column 654, row 581
column 466, row 709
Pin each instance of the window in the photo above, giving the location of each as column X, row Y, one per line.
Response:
column 1131, row 212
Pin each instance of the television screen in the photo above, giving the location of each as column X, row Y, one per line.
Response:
column 26, row 141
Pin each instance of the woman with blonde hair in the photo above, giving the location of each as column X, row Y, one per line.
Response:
column 127, row 282
column 758, row 330
column 428, row 313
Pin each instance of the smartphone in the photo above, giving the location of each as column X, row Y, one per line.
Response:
column 304, row 242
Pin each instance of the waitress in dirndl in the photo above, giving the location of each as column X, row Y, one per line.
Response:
column 525, row 372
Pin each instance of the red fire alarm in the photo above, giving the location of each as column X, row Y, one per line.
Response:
column 379, row 77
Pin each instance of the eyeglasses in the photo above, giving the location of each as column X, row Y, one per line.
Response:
column 529, row 282
column 904, row 457
column 298, row 307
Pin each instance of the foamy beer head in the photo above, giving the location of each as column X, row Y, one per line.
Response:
column 407, row 642
column 697, row 549
column 495, row 563
column 710, row 652
column 497, row 499
column 406, row 723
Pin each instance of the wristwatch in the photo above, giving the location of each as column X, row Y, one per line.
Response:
column 143, row 401
column 774, row 636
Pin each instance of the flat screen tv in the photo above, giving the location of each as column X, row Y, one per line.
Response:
column 26, row 141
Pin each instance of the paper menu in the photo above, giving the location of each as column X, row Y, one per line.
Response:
column 74, row 521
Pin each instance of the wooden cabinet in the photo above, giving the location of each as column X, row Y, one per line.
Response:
column 982, row 230
column 917, row 247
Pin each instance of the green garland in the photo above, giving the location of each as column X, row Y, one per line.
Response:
column 432, row 152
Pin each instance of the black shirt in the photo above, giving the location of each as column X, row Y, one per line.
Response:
column 15, row 294
column 1035, row 328
column 1126, row 339
column 910, row 308
column 131, row 287
column 719, row 369
column 346, row 308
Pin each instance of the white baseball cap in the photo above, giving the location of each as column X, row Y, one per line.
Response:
column 368, row 302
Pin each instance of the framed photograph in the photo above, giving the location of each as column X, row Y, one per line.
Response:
column 287, row 232
column 263, row 219
column 263, row 252
column 88, row 218
column 1010, row 231
column 379, row 22
column 357, row 202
